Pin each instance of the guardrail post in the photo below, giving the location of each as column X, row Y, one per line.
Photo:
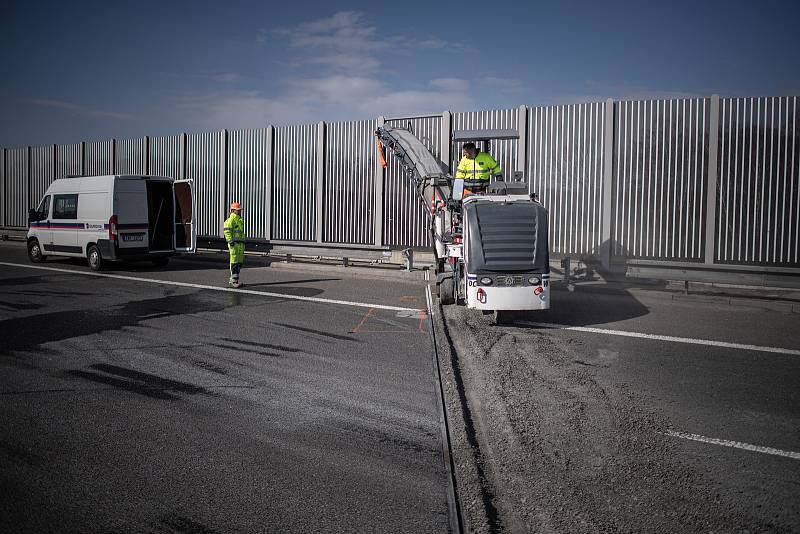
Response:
column 83, row 158
column 522, row 143
column 320, row 180
column 711, row 188
column 184, row 160
column 28, row 186
column 147, row 155
column 223, row 180
column 606, row 242
column 269, row 177
column 378, row 207
column 3, row 187
column 444, row 148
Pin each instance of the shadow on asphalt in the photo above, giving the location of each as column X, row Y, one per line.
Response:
column 586, row 305
column 32, row 331
column 304, row 281
column 141, row 266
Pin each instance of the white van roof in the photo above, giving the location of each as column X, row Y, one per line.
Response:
column 76, row 184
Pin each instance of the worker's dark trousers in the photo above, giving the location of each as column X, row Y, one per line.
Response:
column 235, row 268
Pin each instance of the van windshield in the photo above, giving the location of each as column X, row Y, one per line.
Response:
column 43, row 211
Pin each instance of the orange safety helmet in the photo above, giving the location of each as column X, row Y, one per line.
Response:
column 236, row 206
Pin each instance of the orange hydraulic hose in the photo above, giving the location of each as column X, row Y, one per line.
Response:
column 380, row 152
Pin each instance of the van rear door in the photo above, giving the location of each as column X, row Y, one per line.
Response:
column 130, row 207
column 185, row 227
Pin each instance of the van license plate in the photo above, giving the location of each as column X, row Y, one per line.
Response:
column 133, row 237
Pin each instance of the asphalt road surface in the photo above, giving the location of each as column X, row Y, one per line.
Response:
column 583, row 428
column 132, row 406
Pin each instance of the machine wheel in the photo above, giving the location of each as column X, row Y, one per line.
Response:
column 35, row 253
column 94, row 259
column 447, row 291
column 161, row 262
column 503, row 317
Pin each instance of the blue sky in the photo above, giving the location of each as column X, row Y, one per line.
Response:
column 95, row 70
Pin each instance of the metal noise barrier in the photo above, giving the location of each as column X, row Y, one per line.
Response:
column 294, row 183
column 566, row 148
column 349, row 210
column 660, row 178
column 758, row 199
column 703, row 180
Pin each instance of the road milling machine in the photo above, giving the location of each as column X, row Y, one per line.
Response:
column 491, row 247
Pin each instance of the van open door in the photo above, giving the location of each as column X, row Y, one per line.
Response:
column 185, row 227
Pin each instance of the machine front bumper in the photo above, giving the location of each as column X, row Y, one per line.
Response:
column 508, row 298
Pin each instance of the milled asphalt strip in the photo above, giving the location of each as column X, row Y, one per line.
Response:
column 734, row 444
column 657, row 337
column 454, row 510
column 213, row 288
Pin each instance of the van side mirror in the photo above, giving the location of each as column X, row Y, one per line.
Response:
column 33, row 216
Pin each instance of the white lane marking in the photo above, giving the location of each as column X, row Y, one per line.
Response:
column 735, row 444
column 214, row 288
column 657, row 337
column 429, row 300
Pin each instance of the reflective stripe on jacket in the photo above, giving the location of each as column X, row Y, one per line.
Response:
column 233, row 230
column 478, row 170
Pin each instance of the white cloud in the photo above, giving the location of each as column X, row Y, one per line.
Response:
column 76, row 109
column 227, row 77
column 596, row 92
column 332, row 98
column 348, row 80
column 509, row 85
column 451, row 84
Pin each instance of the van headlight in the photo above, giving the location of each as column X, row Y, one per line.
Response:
column 534, row 281
column 486, row 281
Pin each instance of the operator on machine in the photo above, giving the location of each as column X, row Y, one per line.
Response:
column 476, row 169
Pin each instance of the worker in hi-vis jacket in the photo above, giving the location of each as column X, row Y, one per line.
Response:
column 476, row 169
column 233, row 230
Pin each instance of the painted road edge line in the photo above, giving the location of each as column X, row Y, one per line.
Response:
column 658, row 337
column 734, row 444
column 212, row 288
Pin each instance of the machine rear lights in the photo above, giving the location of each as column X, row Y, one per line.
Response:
column 538, row 290
column 481, row 295
column 486, row 281
column 534, row 281
column 458, row 240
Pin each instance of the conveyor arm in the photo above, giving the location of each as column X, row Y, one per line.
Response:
column 427, row 172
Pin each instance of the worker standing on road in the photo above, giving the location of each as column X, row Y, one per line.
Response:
column 476, row 169
column 234, row 234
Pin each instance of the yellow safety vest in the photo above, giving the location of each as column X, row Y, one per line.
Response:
column 233, row 230
column 477, row 171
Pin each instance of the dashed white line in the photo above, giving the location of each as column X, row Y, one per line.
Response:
column 658, row 337
column 735, row 444
column 214, row 288
column 429, row 300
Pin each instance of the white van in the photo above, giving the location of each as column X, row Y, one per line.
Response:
column 108, row 218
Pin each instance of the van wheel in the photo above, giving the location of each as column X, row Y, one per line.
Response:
column 94, row 259
column 35, row 253
column 161, row 262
